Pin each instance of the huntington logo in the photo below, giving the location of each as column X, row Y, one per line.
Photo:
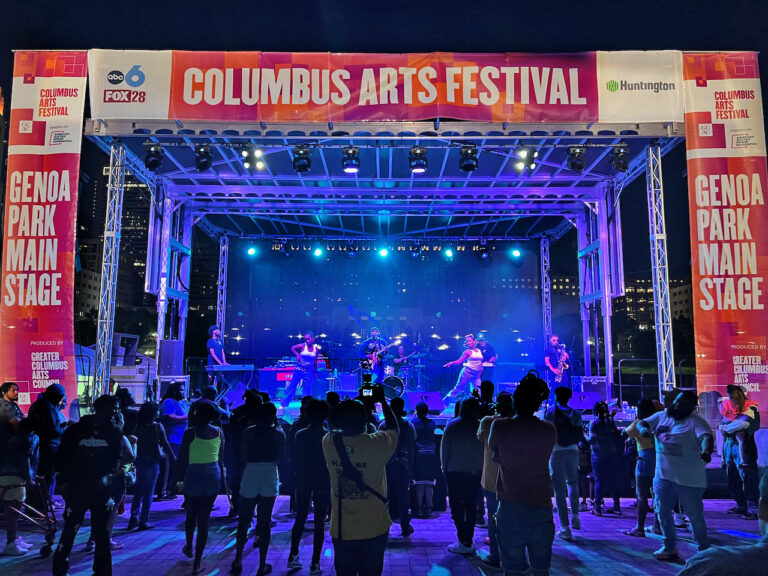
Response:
column 623, row 86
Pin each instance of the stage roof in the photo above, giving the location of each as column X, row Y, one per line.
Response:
column 384, row 199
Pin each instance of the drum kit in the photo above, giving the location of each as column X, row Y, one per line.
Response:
column 410, row 378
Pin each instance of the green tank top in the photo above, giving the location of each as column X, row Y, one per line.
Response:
column 202, row 451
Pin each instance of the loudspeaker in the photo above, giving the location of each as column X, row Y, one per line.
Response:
column 585, row 400
column 432, row 399
column 171, row 361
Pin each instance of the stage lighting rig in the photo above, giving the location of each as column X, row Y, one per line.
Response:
column 302, row 158
column 620, row 157
column 252, row 157
column 576, row 161
column 417, row 160
column 154, row 157
column 350, row 160
column 526, row 158
column 468, row 158
column 203, row 158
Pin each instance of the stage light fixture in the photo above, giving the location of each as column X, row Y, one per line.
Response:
column 417, row 160
column 576, row 161
column 620, row 157
column 318, row 252
column 526, row 158
column 251, row 251
column 468, row 158
column 350, row 160
column 383, row 252
column 483, row 253
column 203, row 158
column 515, row 253
column 302, row 158
column 448, row 253
column 153, row 158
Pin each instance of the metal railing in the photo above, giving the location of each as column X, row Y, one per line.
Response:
column 647, row 379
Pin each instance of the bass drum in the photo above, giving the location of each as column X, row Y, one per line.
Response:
column 393, row 387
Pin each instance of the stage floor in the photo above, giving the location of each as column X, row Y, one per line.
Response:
column 599, row 548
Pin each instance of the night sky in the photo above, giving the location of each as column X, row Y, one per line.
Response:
column 397, row 26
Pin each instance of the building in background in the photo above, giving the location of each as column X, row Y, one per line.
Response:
column 681, row 301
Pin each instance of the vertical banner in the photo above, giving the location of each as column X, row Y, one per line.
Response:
column 44, row 137
column 729, row 220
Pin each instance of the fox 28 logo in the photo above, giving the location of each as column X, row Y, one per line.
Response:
column 134, row 78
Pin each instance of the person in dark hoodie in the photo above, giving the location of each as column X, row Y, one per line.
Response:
column 564, row 463
column 90, row 461
column 461, row 457
column 400, row 468
column 49, row 427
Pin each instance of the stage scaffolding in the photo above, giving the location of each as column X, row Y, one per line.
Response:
column 386, row 202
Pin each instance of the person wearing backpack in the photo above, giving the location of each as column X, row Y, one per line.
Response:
column 152, row 446
column 89, row 461
column 564, row 463
column 356, row 463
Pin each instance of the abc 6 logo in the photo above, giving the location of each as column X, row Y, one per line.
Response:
column 135, row 77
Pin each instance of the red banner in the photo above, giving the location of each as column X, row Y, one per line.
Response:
column 44, row 137
column 727, row 183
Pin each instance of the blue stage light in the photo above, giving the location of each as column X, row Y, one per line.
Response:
column 383, row 252
column 515, row 253
column 449, row 253
column 251, row 251
column 318, row 252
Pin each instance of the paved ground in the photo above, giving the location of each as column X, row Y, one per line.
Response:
column 599, row 548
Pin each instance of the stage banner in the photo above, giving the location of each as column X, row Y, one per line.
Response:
column 44, row 137
column 729, row 221
column 640, row 86
column 323, row 87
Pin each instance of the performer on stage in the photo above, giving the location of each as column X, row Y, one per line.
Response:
column 216, row 354
column 304, row 373
column 556, row 360
column 401, row 361
column 371, row 352
column 470, row 373
column 489, row 356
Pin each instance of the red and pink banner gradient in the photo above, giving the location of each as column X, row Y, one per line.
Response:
column 36, row 310
column 727, row 183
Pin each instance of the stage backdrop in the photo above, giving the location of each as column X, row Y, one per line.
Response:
column 36, row 323
column 729, row 221
column 627, row 87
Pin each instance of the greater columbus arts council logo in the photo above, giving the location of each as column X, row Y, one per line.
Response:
column 626, row 86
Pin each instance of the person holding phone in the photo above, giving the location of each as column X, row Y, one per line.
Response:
column 356, row 462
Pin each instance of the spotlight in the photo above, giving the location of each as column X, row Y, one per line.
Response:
column 350, row 160
column 526, row 158
column 285, row 249
column 318, row 252
column 515, row 253
column 483, row 253
column 576, row 161
column 383, row 252
column 251, row 251
column 154, row 157
column 449, row 253
column 203, row 159
column 302, row 158
column 468, row 158
column 351, row 253
column 415, row 252
column 620, row 157
column 417, row 160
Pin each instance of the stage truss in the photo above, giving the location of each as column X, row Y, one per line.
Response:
column 385, row 202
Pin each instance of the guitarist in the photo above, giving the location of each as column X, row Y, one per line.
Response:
column 371, row 352
column 556, row 360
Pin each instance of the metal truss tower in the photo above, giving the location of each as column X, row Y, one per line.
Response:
column 221, row 290
column 658, row 236
column 546, row 289
column 109, row 267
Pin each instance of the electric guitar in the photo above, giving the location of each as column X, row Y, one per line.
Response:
column 372, row 359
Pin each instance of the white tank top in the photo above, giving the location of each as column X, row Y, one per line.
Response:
column 475, row 360
column 307, row 356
